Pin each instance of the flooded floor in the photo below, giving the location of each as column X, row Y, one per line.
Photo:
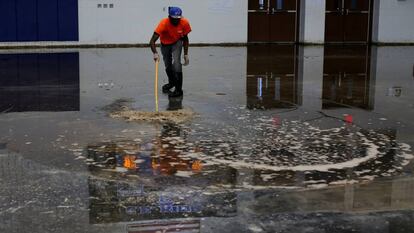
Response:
column 281, row 139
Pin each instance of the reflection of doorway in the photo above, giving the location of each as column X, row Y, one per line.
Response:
column 272, row 80
column 273, row 20
column 348, row 21
column 347, row 79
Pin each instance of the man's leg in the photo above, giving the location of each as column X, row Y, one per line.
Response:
column 166, row 51
column 177, row 66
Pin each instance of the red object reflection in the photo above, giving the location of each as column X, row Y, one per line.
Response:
column 349, row 119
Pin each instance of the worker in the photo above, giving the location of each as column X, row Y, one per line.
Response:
column 173, row 33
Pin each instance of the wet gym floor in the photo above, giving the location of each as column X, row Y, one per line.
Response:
column 285, row 139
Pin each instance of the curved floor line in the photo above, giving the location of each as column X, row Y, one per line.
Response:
column 372, row 152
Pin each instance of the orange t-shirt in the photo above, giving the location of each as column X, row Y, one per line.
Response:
column 169, row 34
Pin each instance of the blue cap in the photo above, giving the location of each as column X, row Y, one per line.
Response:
column 175, row 12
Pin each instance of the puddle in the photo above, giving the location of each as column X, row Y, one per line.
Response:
column 266, row 135
column 285, row 154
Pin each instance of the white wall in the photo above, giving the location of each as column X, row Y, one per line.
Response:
column 224, row 21
column 395, row 21
column 133, row 21
column 394, row 68
column 313, row 21
column 219, row 21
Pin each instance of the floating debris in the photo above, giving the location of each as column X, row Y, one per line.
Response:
column 179, row 116
column 120, row 109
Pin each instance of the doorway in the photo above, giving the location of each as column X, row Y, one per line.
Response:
column 273, row 21
column 348, row 21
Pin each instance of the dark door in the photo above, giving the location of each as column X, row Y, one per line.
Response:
column 347, row 80
column 334, row 21
column 273, row 20
column 348, row 21
column 272, row 80
column 357, row 20
column 258, row 23
column 283, row 20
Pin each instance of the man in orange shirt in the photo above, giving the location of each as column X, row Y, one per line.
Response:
column 173, row 33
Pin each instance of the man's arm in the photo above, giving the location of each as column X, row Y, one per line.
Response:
column 154, row 39
column 186, row 43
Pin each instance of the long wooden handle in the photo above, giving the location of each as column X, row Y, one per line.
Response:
column 156, row 86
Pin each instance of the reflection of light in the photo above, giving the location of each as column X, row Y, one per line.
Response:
column 154, row 164
column 129, row 162
column 349, row 119
column 197, row 166
column 261, row 4
column 259, row 87
column 279, row 5
column 277, row 88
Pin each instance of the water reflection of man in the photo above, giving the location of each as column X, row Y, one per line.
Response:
column 129, row 162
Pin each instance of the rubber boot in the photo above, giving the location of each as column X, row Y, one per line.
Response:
column 178, row 86
column 175, row 103
column 171, row 81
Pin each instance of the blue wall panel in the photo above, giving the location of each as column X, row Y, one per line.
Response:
column 68, row 20
column 38, row 20
column 8, row 21
column 47, row 18
column 26, row 20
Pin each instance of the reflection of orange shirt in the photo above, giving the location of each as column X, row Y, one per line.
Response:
column 129, row 162
column 169, row 34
